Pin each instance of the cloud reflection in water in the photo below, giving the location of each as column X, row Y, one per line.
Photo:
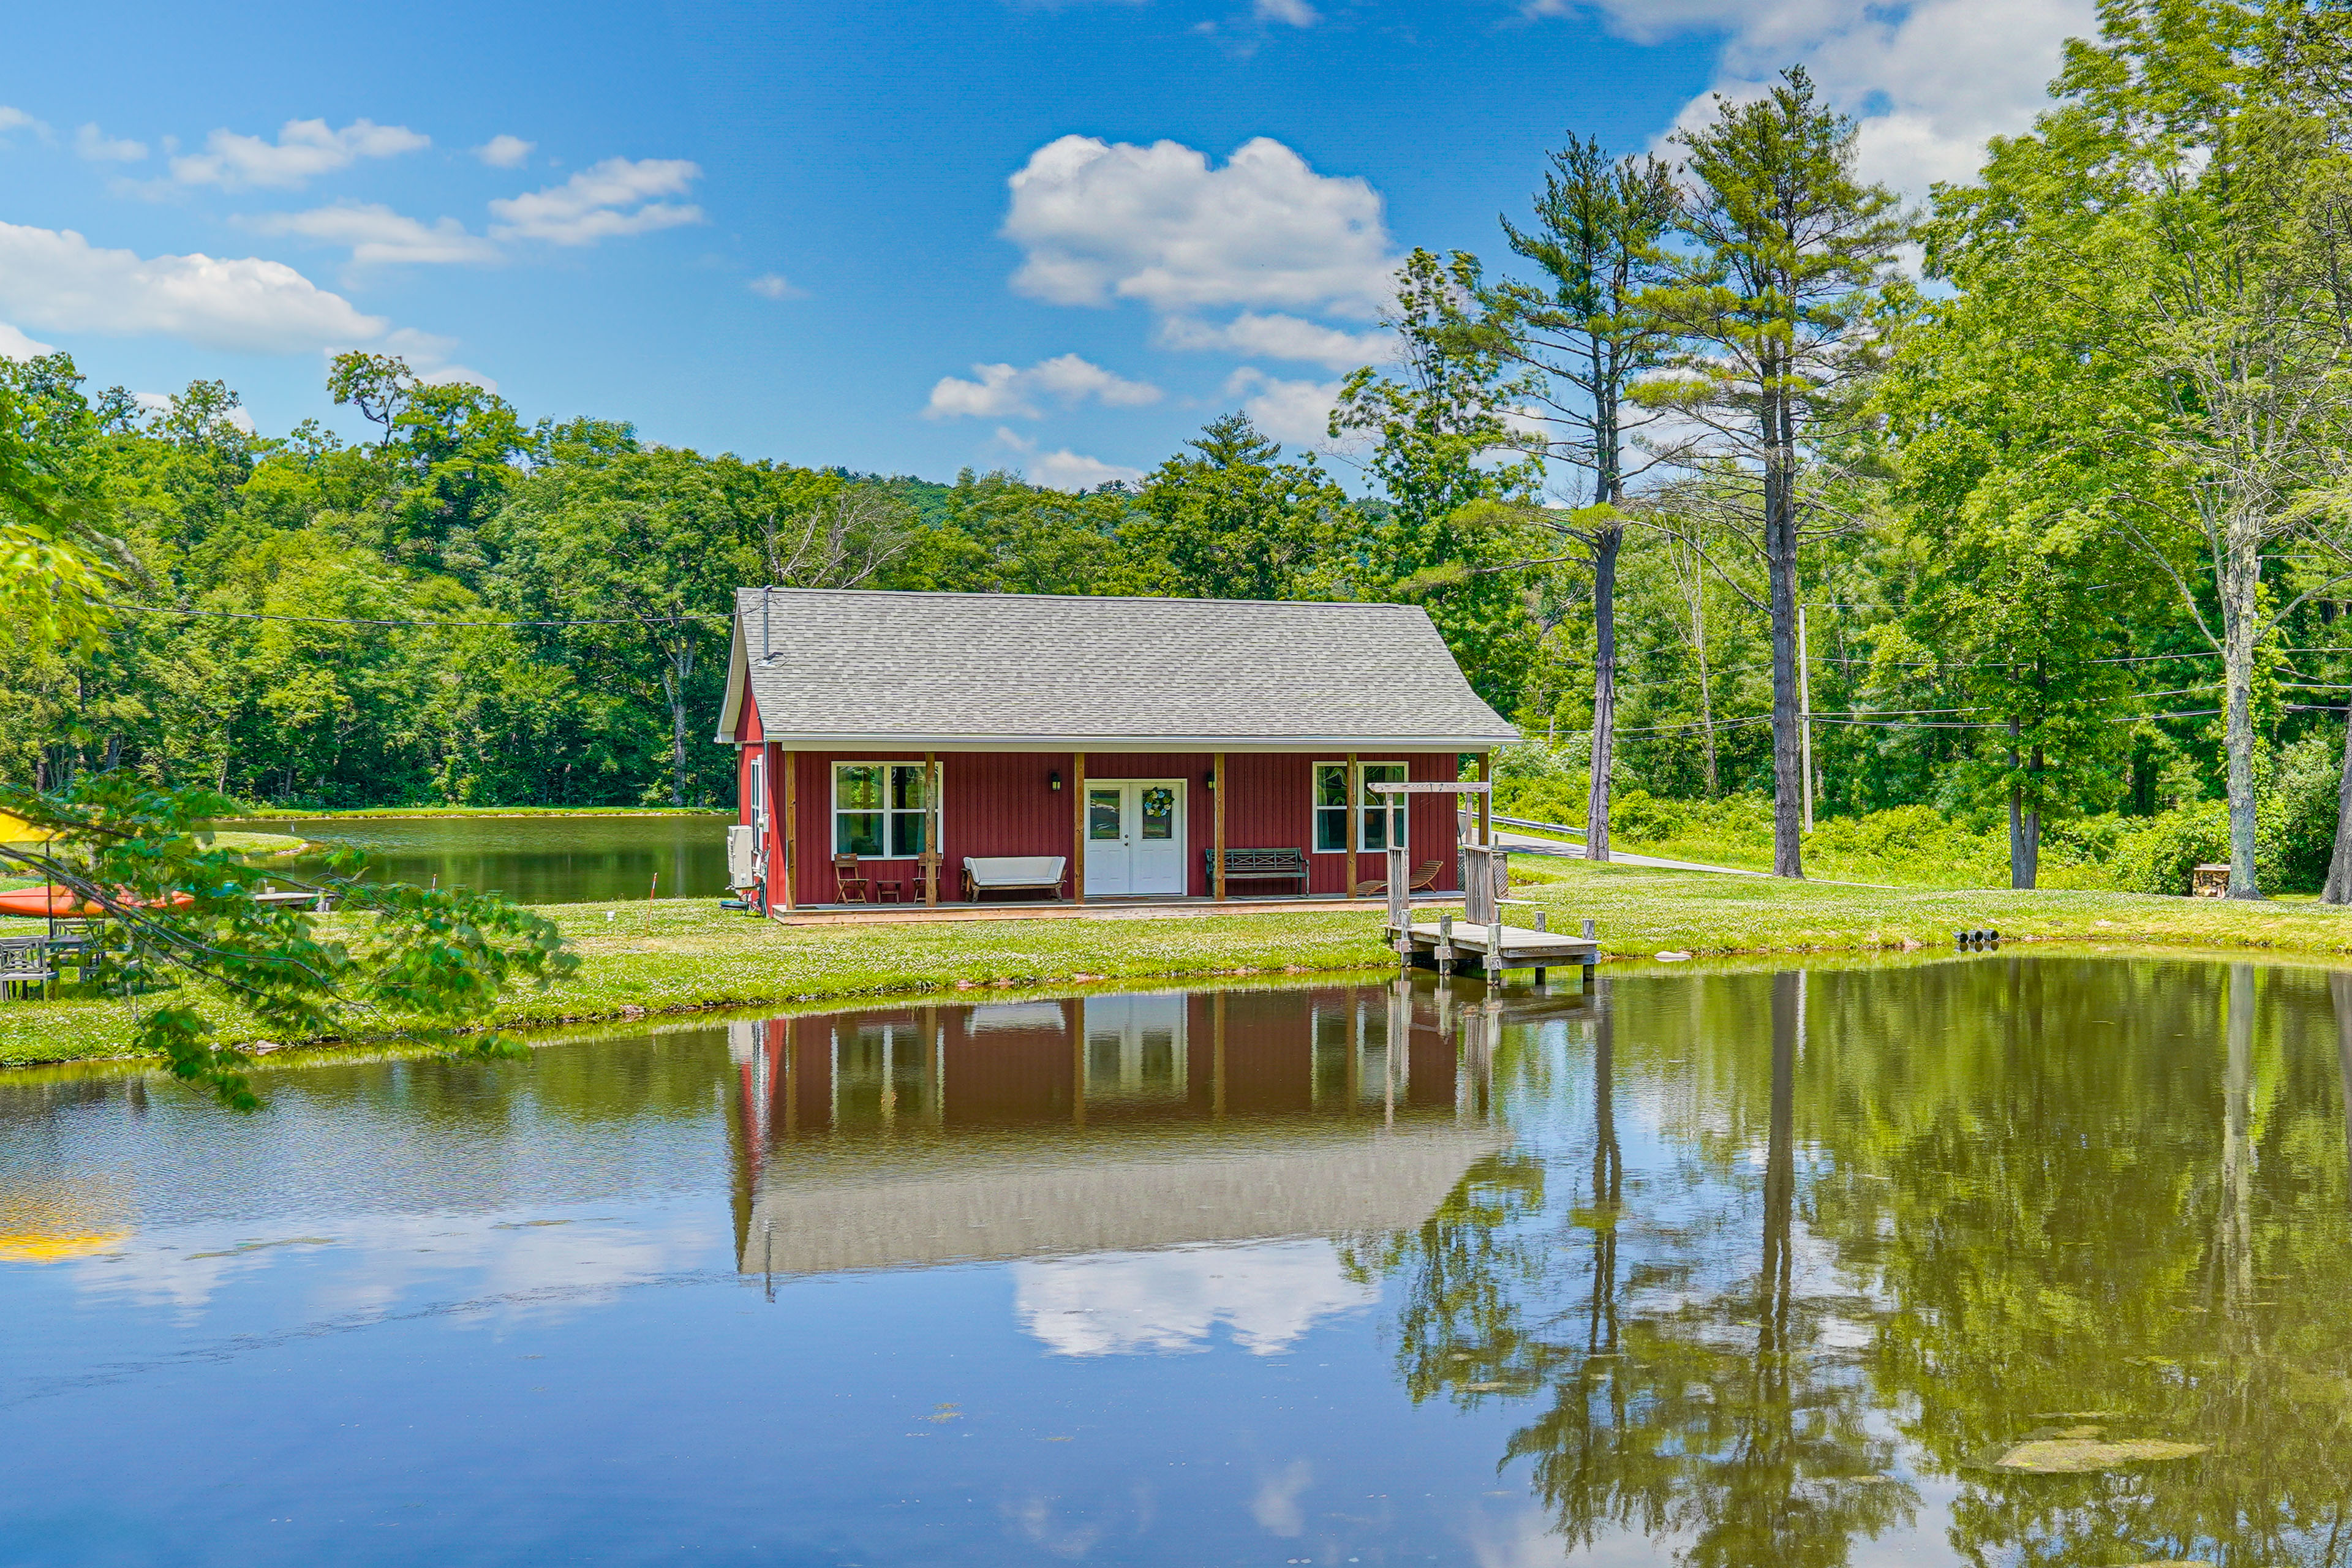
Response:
column 1168, row 1303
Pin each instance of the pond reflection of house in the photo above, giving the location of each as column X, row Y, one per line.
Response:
column 1107, row 1123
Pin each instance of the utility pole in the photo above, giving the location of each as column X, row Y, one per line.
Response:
column 1805, row 710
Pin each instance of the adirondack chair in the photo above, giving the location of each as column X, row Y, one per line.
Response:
column 1424, row 878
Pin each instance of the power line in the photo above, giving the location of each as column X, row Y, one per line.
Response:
column 1904, row 722
column 343, row 621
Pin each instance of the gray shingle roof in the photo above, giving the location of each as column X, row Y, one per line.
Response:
column 1044, row 671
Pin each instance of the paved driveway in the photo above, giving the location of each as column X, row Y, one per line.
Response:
column 1528, row 844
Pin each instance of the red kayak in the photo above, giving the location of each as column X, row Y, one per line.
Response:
column 54, row 902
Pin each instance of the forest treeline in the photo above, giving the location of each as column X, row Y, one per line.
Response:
column 1724, row 475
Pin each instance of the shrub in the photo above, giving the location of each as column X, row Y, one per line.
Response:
column 1548, row 798
column 2082, row 840
column 1898, row 832
column 2158, row 859
column 1639, row 817
column 1543, row 784
column 2294, row 834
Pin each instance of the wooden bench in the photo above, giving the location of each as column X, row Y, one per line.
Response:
column 25, row 964
column 1258, row 866
column 1013, row 873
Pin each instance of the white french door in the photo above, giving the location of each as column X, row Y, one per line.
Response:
column 1135, row 836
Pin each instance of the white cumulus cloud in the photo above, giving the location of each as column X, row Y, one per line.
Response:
column 1296, row 412
column 616, row 197
column 1928, row 81
column 504, row 151
column 377, row 235
column 448, row 374
column 16, row 345
column 96, row 147
column 304, row 150
column 1064, row 470
column 1000, row 392
column 1292, row 12
column 1100, row 222
column 1279, row 337
column 56, row 280
column 18, row 120
column 775, row 286
column 1074, row 471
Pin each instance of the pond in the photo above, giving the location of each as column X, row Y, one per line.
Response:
column 1992, row 1259
column 553, row 859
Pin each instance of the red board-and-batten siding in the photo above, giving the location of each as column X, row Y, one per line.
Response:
column 1003, row 803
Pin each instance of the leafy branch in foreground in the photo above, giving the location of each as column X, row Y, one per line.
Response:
column 173, row 908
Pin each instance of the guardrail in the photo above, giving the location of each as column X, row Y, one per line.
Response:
column 1546, row 826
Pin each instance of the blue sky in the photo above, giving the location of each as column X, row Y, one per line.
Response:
column 906, row 239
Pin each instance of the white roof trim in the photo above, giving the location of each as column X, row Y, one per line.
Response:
column 730, row 711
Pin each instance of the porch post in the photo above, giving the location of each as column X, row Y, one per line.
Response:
column 1078, row 827
column 791, row 828
column 1487, row 801
column 1355, row 788
column 1217, row 765
column 931, row 823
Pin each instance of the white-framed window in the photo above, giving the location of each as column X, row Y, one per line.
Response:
column 879, row 810
column 1384, row 815
column 1330, row 808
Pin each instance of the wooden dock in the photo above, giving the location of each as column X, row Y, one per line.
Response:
column 1452, row 944
column 1480, row 938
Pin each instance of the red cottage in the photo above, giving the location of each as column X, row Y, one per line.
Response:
column 949, row 747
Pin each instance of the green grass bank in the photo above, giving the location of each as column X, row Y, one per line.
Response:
column 681, row 955
column 361, row 814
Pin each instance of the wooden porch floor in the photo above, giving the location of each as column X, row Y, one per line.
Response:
column 1093, row 909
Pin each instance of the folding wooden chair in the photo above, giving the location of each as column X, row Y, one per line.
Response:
column 850, row 885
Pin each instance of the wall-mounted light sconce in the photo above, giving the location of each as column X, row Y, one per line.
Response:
column 1054, row 782
column 1210, row 778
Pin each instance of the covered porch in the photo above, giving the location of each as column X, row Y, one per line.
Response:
column 1100, row 909
column 1000, row 833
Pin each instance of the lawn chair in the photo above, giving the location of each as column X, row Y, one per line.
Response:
column 851, row 885
column 25, row 964
column 1424, row 879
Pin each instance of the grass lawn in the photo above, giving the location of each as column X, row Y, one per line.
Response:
column 679, row 955
column 675, row 955
column 1824, row 857
column 257, row 843
column 1641, row 912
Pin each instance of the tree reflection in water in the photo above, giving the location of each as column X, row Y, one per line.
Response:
column 1693, row 1399
column 1977, row 1202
